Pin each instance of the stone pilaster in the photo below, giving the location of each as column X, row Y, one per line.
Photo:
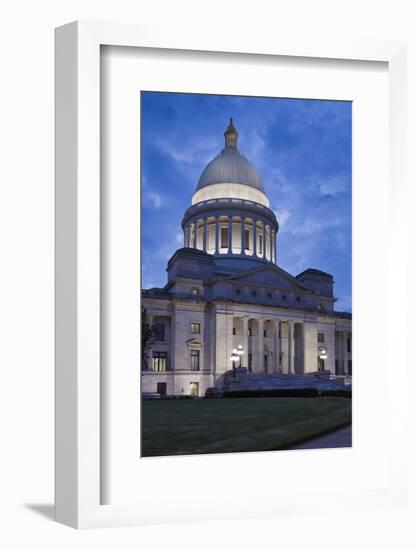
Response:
column 150, row 319
column 222, row 359
column 290, row 347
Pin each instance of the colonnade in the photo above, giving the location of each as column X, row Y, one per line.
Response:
column 280, row 341
column 234, row 235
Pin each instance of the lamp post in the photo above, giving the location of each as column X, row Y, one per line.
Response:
column 322, row 355
column 240, row 352
column 233, row 358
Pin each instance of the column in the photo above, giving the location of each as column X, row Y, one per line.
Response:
column 230, row 235
column 260, row 345
column 242, row 235
column 344, row 353
column 271, row 244
column 216, row 246
column 229, row 340
column 205, row 235
column 277, row 346
column 254, row 236
column 290, row 347
column 195, row 235
column 185, row 237
column 275, row 249
column 245, row 360
column 264, row 241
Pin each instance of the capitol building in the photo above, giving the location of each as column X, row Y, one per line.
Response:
column 225, row 291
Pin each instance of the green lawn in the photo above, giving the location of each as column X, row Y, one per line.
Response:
column 178, row 427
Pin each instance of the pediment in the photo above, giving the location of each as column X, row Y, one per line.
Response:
column 269, row 276
column 194, row 343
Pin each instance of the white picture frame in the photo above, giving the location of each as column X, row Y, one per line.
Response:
column 78, row 405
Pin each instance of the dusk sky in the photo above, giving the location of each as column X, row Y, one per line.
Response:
column 302, row 151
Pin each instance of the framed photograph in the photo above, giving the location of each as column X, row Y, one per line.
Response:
column 225, row 211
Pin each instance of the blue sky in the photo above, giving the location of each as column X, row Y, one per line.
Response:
column 302, row 150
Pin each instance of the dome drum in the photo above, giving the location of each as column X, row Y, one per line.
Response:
column 232, row 233
column 238, row 207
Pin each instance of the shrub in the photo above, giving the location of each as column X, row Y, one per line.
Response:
column 337, row 393
column 278, row 392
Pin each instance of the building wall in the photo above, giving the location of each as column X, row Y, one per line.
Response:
column 217, row 339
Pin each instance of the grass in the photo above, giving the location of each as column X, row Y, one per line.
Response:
column 179, row 427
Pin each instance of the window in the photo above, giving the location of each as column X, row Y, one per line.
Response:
column 260, row 250
column 269, row 295
column 246, row 239
column 350, row 367
column 265, row 333
column 348, row 345
column 250, row 362
column 195, row 292
column 249, row 332
column 159, row 332
column 195, row 328
column 223, row 234
column 265, row 363
column 234, row 331
column 195, row 359
column 253, row 293
column 237, row 292
column 320, row 337
column 159, row 361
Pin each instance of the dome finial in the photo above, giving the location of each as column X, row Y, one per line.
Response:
column 231, row 135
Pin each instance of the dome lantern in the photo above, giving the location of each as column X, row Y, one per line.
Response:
column 231, row 135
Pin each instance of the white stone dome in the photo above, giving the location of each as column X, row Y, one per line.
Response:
column 230, row 166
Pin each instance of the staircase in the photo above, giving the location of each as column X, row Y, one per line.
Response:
column 244, row 380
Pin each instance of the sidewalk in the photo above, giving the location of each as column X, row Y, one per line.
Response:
column 336, row 439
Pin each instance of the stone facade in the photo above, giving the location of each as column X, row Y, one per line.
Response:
column 225, row 290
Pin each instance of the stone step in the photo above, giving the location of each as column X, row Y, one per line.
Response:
column 262, row 381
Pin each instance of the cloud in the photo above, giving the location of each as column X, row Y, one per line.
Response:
column 308, row 226
column 196, row 152
column 332, row 185
column 344, row 304
column 282, row 216
column 153, row 200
